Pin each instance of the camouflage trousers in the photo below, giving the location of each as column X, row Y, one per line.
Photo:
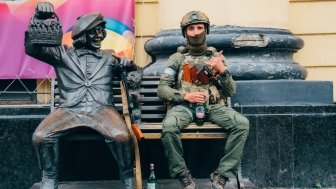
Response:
column 181, row 116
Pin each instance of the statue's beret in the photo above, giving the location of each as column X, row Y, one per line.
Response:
column 85, row 23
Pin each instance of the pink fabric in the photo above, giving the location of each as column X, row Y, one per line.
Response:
column 15, row 17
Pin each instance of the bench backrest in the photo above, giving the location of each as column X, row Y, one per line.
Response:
column 152, row 107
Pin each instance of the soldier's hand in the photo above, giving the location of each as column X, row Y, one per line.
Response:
column 195, row 97
column 216, row 63
column 44, row 10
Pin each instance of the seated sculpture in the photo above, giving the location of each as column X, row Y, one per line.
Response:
column 85, row 76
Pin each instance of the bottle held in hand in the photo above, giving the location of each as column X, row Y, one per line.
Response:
column 200, row 114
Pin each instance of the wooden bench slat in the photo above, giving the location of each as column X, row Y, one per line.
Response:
column 149, row 136
column 152, row 131
column 157, row 125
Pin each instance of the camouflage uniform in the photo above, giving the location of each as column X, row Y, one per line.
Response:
column 173, row 88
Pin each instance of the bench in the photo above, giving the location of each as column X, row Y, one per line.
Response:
column 144, row 111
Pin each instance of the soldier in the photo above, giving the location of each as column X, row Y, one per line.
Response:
column 85, row 79
column 194, row 85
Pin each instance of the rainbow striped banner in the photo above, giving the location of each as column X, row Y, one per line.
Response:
column 15, row 17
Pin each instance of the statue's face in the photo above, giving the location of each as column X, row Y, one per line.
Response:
column 95, row 37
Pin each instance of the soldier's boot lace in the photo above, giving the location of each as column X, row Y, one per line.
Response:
column 186, row 180
column 218, row 181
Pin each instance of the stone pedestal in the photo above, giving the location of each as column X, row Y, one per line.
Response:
column 252, row 53
column 283, row 92
column 290, row 146
column 18, row 161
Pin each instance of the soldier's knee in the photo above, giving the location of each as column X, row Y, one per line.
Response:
column 242, row 122
column 170, row 124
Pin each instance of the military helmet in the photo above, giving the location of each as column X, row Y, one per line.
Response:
column 194, row 17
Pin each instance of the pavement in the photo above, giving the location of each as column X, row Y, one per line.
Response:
column 116, row 184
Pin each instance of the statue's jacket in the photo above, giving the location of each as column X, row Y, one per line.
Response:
column 72, row 80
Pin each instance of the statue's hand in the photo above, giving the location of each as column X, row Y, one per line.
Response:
column 44, row 10
column 124, row 62
column 127, row 64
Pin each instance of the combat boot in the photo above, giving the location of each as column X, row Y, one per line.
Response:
column 186, row 180
column 218, row 181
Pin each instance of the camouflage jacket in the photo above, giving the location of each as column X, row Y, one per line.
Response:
column 170, row 88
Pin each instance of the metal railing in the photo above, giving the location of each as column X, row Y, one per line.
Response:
column 26, row 92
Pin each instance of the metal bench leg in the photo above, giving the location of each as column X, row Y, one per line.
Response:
column 137, row 172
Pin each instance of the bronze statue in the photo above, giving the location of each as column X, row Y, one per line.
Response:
column 85, row 76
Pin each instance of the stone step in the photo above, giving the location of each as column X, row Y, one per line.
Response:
column 116, row 184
